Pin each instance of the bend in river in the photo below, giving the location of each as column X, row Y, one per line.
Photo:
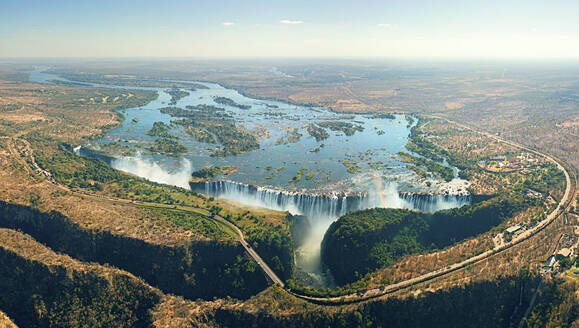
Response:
column 305, row 160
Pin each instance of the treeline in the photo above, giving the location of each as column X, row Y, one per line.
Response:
column 557, row 305
column 317, row 132
column 176, row 95
column 230, row 102
column 96, row 176
column 363, row 241
column 479, row 304
column 272, row 242
column 210, row 124
column 160, row 129
column 203, row 269
column 346, row 127
column 419, row 144
column 439, row 170
column 168, row 146
column 388, row 116
column 212, row 172
column 37, row 295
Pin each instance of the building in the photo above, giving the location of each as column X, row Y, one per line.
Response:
column 513, row 229
column 564, row 252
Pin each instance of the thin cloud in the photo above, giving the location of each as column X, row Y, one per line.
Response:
column 227, row 23
column 385, row 25
column 291, row 22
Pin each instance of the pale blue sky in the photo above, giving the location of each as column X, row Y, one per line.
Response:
column 426, row 29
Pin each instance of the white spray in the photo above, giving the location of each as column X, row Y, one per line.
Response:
column 154, row 172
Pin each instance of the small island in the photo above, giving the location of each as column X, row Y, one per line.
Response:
column 209, row 173
column 230, row 102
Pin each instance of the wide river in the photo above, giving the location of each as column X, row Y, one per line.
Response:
column 263, row 177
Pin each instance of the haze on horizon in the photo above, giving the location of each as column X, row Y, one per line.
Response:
column 228, row 29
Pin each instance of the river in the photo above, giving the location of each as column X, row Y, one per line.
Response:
column 340, row 174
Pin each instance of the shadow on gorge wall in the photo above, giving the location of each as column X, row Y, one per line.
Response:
column 195, row 270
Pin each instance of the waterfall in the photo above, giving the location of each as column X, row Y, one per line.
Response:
column 323, row 205
column 295, row 203
column 320, row 211
column 433, row 203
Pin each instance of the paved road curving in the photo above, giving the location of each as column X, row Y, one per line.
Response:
column 387, row 289
column 262, row 264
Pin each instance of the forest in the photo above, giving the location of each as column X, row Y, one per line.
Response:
column 168, row 146
column 87, row 173
column 160, row 129
column 317, row 132
column 210, row 124
column 230, row 102
column 375, row 238
column 176, row 95
column 346, row 127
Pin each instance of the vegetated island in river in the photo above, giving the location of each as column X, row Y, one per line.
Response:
column 176, row 95
column 230, row 102
column 211, row 124
column 210, row 173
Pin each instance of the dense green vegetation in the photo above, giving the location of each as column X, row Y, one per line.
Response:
column 363, row 241
column 548, row 181
column 418, row 143
column 160, row 129
column 275, row 247
column 168, row 146
column 557, row 306
column 209, row 173
column 196, row 112
column 235, row 140
column 346, row 127
column 210, row 124
column 176, row 95
column 479, row 304
column 230, row 102
column 292, row 136
column 38, row 295
column 388, row 116
column 439, row 170
column 272, row 242
column 317, row 132
column 299, row 175
column 420, row 172
column 199, row 269
column 94, row 175
column 198, row 133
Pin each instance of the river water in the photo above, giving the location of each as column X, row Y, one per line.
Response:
column 263, row 177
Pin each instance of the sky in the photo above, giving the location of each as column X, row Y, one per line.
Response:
column 290, row 28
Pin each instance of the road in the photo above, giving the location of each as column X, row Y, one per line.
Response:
column 387, row 289
column 262, row 264
column 268, row 271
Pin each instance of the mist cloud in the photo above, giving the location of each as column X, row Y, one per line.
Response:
column 154, row 172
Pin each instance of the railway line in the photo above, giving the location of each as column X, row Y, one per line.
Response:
column 391, row 288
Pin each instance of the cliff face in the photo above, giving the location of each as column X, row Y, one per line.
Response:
column 199, row 269
column 41, row 288
column 363, row 241
column 453, row 307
